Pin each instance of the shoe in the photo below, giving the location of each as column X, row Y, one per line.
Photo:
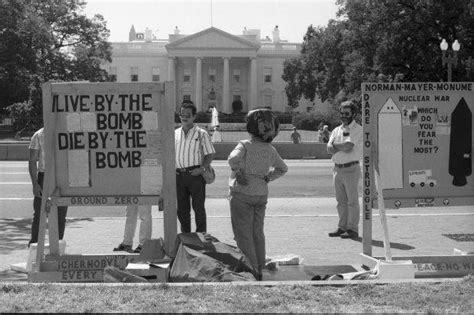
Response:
column 336, row 233
column 123, row 248
column 138, row 249
column 350, row 234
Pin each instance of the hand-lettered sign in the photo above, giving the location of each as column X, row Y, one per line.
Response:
column 420, row 136
column 107, row 140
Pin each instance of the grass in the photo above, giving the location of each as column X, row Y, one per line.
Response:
column 426, row 297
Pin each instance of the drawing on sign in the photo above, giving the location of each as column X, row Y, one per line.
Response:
column 460, row 144
column 390, row 145
column 422, row 178
column 410, row 116
column 443, row 124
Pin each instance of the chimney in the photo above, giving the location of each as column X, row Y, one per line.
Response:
column 148, row 33
column 276, row 34
column 176, row 30
column 132, row 35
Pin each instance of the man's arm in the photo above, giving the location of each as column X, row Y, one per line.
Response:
column 33, row 169
column 342, row 146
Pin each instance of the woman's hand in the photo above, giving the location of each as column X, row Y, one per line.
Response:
column 241, row 178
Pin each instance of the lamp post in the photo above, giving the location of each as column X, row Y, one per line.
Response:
column 450, row 58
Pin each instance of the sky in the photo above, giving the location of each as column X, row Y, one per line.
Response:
column 292, row 16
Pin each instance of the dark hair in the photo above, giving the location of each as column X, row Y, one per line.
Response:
column 189, row 104
column 348, row 104
column 262, row 123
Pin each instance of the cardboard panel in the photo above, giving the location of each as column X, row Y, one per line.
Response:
column 108, row 138
column 433, row 138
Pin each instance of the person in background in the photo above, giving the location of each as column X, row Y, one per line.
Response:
column 295, row 136
column 345, row 145
column 194, row 154
column 36, row 168
column 324, row 134
column 133, row 212
column 254, row 163
column 216, row 136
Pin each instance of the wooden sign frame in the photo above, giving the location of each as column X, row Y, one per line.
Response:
column 142, row 116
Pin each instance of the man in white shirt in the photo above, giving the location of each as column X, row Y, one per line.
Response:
column 345, row 145
column 36, row 165
column 194, row 154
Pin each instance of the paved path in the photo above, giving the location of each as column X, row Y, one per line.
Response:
column 292, row 226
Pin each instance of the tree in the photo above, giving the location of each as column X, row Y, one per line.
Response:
column 48, row 40
column 291, row 74
column 382, row 41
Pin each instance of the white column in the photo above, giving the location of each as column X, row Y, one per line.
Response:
column 172, row 77
column 198, row 91
column 253, row 83
column 226, row 105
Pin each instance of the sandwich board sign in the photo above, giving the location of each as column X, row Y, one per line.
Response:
column 418, row 136
column 107, row 144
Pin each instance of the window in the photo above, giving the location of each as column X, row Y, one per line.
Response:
column 236, row 76
column 134, row 74
column 155, row 74
column 186, row 97
column 268, row 101
column 212, row 75
column 267, row 75
column 187, row 76
column 113, row 74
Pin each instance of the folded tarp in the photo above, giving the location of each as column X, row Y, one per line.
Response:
column 200, row 257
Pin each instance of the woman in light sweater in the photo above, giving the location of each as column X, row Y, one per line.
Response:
column 254, row 163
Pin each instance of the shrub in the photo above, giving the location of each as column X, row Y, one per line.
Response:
column 312, row 121
column 26, row 118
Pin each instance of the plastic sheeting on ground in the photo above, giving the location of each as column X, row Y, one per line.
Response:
column 200, row 257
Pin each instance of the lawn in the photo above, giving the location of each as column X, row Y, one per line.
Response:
column 455, row 296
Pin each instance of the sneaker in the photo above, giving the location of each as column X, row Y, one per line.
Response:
column 350, row 234
column 336, row 233
column 138, row 249
column 123, row 248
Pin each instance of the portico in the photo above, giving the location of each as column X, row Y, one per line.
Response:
column 213, row 68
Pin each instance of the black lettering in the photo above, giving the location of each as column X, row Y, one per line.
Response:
column 56, row 104
column 100, row 160
column 145, row 102
column 101, row 121
column 62, row 141
column 99, row 103
column 84, row 104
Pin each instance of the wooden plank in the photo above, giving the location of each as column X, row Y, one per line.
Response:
column 88, row 201
column 88, row 262
column 169, row 175
column 440, row 266
column 67, row 276
column 53, row 231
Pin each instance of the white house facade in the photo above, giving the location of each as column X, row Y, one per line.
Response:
column 212, row 68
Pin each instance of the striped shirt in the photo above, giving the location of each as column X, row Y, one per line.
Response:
column 190, row 148
column 256, row 159
column 37, row 143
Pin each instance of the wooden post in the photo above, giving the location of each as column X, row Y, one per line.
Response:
column 169, row 174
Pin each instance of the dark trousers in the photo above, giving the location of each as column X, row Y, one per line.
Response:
column 191, row 189
column 62, row 212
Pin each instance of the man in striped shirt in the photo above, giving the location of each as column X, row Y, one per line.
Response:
column 194, row 154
